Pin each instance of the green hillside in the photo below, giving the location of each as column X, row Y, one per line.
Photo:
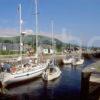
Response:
column 30, row 40
column 26, row 39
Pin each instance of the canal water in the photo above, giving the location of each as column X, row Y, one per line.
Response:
column 66, row 87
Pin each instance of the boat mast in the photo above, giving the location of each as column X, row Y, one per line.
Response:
column 20, row 30
column 63, row 36
column 52, row 24
column 53, row 42
column 36, row 30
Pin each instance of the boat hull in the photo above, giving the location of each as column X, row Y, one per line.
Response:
column 48, row 77
column 67, row 61
column 80, row 62
column 13, row 78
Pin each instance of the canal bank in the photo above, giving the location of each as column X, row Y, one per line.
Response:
column 90, row 82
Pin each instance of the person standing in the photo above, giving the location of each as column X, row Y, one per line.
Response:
column 2, row 67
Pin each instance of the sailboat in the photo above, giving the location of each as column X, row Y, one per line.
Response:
column 78, row 60
column 53, row 71
column 68, row 59
column 22, row 71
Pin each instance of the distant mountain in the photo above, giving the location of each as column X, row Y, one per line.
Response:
column 30, row 39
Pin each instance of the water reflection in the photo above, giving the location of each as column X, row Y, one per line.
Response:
column 25, row 88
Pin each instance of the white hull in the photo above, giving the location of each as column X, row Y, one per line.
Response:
column 17, row 77
column 47, row 76
column 79, row 62
column 67, row 61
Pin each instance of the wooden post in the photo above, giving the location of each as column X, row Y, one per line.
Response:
column 85, row 76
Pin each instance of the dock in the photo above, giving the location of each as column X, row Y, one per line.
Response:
column 90, row 81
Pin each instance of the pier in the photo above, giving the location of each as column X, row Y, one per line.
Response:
column 91, row 54
column 90, row 81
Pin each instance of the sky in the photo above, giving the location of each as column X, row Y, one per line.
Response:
column 76, row 19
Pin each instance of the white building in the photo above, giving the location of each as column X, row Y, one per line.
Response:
column 48, row 51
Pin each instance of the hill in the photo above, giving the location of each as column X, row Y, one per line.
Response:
column 31, row 40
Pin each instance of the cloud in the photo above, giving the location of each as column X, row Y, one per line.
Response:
column 13, row 32
column 8, row 32
column 64, row 37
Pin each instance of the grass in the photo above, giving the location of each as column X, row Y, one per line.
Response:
column 98, row 68
column 11, row 56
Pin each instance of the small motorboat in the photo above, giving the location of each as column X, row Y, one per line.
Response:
column 51, row 73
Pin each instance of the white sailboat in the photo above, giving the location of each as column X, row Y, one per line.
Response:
column 78, row 60
column 53, row 71
column 67, row 60
column 24, row 71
